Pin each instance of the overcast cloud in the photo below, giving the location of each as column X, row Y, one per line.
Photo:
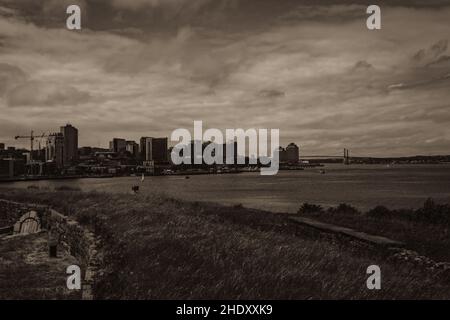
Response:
column 311, row 68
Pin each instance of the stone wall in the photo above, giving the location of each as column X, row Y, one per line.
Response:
column 80, row 242
column 10, row 212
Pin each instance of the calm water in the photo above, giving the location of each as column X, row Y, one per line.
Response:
column 363, row 186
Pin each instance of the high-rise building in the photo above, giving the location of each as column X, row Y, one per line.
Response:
column 54, row 150
column 70, row 154
column 159, row 150
column 118, row 145
column 154, row 149
column 282, row 155
column 133, row 148
column 292, row 153
column 143, row 148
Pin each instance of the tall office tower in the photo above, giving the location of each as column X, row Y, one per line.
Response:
column 159, row 150
column 118, row 145
column 292, row 153
column 70, row 134
column 143, row 147
column 133, row 148
column 154, row 149
column 282, row 155
column 54, row 150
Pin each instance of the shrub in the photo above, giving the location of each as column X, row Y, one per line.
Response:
column 433, row 212
column 309, row 208
column 379, row 212
column 238, row 206
column 344, row 208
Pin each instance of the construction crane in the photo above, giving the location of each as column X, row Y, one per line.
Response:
column 31, row 137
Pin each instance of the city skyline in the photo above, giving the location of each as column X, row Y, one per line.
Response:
column 311, row 69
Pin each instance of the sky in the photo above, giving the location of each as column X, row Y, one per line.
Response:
column 309, row 68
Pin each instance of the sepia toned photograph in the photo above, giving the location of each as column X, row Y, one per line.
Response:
column 224, row 150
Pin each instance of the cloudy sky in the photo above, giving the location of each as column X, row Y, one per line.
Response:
column 310, row 68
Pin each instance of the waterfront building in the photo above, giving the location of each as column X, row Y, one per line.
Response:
column 118, row 145
column 70, row 153
column 292, row 153
column 133, row 148
column 11, row 167
column 282, row 155
column 154, row 149
column 54, row 150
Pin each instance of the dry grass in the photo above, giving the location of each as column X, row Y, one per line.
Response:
column 416, row 228
column 160, row 248
column 26, row 272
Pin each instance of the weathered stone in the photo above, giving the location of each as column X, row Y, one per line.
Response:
column 342, row 231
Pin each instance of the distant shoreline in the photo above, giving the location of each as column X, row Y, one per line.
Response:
column 192, row 173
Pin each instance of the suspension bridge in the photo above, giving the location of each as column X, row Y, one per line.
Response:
column 345, row 156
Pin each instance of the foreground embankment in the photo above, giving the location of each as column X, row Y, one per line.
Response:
column 425, row 229
column 154, row 247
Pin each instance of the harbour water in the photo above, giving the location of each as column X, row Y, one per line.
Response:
column 363, row 186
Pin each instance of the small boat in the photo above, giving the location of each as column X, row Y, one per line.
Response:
column 187, row 177
column 142, row 178
column 322, row 171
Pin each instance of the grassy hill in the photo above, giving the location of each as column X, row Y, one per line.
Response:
column 160, row 248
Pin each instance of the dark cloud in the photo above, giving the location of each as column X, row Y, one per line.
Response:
column 441, row 62
column 146, row 67
column 362, row 66
column 430, row 67
column 429, row 55
column 164, row 15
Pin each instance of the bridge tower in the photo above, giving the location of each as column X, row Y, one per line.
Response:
column 346, row 157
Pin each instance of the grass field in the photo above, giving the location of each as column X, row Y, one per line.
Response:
column 160, row 248
column 425, row 230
